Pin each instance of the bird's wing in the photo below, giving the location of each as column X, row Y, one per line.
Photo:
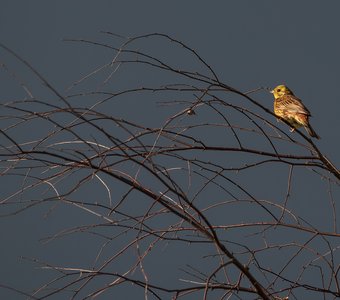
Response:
column 294, row 105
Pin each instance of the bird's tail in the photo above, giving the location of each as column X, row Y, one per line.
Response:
column 311, row 132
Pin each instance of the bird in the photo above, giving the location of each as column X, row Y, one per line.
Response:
column 291, row 109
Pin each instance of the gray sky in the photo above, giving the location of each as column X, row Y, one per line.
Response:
column 248, row 43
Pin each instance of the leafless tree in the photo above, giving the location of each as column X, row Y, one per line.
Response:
column 191, row 188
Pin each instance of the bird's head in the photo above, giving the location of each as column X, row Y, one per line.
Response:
column 280, row 91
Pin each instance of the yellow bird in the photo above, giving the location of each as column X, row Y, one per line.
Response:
column 290, row 108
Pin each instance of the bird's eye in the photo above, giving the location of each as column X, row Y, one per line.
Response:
column 278, row 90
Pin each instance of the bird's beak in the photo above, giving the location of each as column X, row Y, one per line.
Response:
column 272, row 91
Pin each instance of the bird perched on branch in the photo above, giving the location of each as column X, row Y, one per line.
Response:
column 290, row 108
